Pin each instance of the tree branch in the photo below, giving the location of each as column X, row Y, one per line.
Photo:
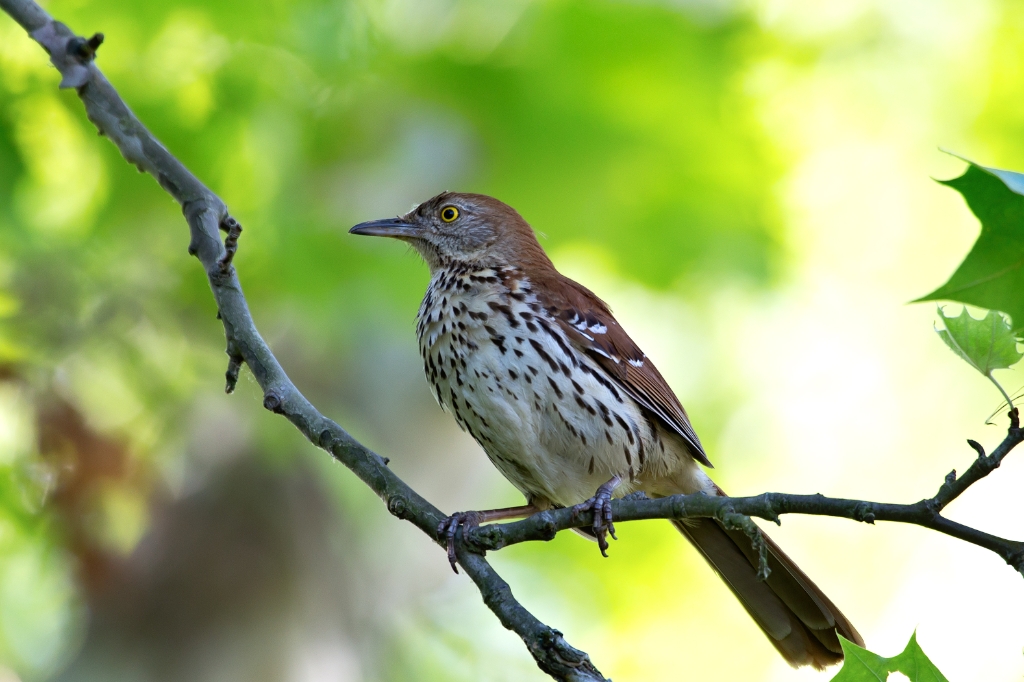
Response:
column 770, row 506
column 207, row 214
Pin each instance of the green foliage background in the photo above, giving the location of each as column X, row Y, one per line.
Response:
column 746, row 182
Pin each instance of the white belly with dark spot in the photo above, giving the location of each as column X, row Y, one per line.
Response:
column 546, row 415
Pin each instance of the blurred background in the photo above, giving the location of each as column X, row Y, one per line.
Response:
column 747, row 182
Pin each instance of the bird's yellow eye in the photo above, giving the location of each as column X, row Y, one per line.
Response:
column 449, row 213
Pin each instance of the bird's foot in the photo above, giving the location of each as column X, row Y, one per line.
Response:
column 450, row 526
column 601, row 505
column 471, row 519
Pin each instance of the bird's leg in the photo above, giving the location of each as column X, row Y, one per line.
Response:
column 601, row 505
column 472, row 519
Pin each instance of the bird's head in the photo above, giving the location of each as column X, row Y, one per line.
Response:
column 462, row 228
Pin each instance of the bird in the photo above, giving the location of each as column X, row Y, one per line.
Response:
column 569, row 409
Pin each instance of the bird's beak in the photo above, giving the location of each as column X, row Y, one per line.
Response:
column 398, row 228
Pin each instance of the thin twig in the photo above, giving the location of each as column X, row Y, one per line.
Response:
column 1006, row 396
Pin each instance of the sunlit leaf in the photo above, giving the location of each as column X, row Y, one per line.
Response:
column 862, row 665
column 986, row 344
column 992, row 274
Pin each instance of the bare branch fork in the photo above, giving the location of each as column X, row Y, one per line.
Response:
column 207, row 214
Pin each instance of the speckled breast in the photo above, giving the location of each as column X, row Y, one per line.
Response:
column 544, row 413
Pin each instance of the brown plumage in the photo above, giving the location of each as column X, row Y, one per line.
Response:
column 564, row 403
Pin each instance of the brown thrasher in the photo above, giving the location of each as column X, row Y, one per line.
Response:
column 563, row 402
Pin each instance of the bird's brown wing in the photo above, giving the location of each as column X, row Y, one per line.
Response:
column 590, row 326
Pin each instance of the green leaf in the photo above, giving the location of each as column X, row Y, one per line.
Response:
column 862, row 665
column 992, row 274
column 986, row 344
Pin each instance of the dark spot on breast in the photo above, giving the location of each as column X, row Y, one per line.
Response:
column 572, row 429
column 504, row 310
column 582, row 403
column 558, row 391
column 625, row 427
column 590, row 467
column 557, row 337
column 600, row 378
column 544, row 354
column 497, row 339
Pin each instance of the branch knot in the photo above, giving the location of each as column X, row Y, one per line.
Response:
column 234, row 230
column 398, row 506
column 235, row 361
column 85, row 49
column 272, row 401
column 554, row 654
column 864, row 513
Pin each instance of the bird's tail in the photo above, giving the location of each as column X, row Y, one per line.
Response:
column 797, row 617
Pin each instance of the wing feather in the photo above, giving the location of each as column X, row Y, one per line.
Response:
column 590, row 326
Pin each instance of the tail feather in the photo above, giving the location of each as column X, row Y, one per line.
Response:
column 799, row 620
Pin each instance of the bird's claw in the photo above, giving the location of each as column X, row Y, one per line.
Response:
column 450, row 526
column 601, row 505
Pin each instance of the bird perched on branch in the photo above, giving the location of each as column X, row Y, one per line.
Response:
column 568, row 408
